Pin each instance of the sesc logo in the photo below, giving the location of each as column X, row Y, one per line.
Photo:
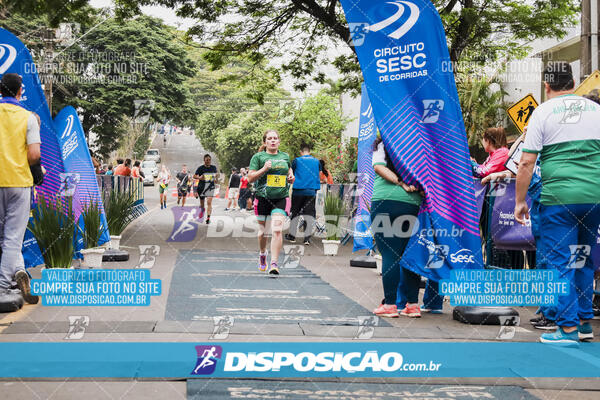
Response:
column 207, row 359
column 8, row 55
column 401, row 7
column 463, row 256
column 69, row 128
column 368, row 113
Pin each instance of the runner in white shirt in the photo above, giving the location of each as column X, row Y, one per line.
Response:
column 164, row 177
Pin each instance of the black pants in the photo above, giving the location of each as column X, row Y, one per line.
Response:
column 305, row 206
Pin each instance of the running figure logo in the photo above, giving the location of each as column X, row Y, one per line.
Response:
column 573, row 110
column 207, row 359
column 579, row 255
column 292, row 255
column 437, row 256
column 366, row 327
column 77, row 325
column 222, row 327
column 508, row 327
column 148, row 254
column 68, row 184
column 142, row 110
column 358, row 31
column 432, row 110
column 187, row 220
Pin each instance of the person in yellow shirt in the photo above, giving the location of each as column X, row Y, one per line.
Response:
column 19, row 157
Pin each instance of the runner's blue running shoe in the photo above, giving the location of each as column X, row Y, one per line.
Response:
column 561, row 338
column 585, row 332
column 430, row 311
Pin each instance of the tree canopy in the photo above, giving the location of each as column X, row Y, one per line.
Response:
column 482, row 30
column 113, row 64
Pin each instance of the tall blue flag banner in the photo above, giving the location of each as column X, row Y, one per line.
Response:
column 367, row 132
column 15, row 58
column 402, row 50
column 80, row 178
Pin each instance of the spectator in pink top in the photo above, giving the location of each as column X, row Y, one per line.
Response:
column 494, row 143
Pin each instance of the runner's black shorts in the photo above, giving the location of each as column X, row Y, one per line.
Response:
column 264, row 207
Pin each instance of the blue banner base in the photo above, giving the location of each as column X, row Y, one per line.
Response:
column 297, row 360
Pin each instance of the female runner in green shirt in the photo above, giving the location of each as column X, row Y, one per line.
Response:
column 272, row 171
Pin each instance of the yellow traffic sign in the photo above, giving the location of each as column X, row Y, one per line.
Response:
column 521, row 111
column 589, row 85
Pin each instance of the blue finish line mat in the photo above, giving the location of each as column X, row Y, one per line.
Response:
column 207, row 284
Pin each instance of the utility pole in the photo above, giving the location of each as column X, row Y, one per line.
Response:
column 590, row 17
column 48, row 65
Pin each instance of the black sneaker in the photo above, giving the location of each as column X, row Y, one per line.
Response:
column 307, row 242
column 596, row 313
column 208, row 220
column 10, row 300
column 545, row 325
column 537, row 319
column 274, row 269
column 290, row 238
column 23, row 284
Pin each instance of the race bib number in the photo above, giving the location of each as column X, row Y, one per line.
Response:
column 276, row 180
column 209, row 177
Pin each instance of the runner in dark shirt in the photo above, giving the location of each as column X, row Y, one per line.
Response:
column 206, row 175
column 183, row 185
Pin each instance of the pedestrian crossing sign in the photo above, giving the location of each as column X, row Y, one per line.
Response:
column 591, row 85
column 521, row 111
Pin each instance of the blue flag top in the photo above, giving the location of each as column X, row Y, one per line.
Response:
column 402, row 50
column 15, row 58
column 80, row 182
column 367, row 132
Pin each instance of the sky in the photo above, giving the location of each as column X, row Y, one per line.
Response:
column 166, row 14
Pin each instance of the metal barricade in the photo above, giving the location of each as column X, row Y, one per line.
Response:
column 135, row 186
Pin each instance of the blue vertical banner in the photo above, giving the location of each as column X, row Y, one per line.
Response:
column 80, row 176
column 402, row 50
column 367, row 132
column 15, row 58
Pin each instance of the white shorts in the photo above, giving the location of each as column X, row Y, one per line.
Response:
column 233, row 192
